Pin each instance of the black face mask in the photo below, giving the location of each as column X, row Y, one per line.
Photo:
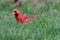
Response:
column 16, row 13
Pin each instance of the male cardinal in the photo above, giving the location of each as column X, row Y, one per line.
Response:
column 22, row 17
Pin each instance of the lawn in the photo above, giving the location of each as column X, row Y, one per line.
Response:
column 46, row 26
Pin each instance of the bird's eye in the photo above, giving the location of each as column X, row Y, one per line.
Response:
column 15, row 12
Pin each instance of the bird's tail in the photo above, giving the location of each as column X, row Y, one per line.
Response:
column 34, row 15
column 31, row 16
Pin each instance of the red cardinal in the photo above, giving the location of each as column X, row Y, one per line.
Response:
column 22, row 17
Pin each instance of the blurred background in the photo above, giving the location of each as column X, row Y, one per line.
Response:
column 46, row 26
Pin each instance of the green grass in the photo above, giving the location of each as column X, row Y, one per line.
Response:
column 46, row 26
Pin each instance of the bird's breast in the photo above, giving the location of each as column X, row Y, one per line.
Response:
column 20, row 19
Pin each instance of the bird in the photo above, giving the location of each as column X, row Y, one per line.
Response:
column 22, row 18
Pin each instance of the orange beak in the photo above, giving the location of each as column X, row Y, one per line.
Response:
column 13, row 13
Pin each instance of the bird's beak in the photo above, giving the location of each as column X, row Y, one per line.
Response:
column 13, row 13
